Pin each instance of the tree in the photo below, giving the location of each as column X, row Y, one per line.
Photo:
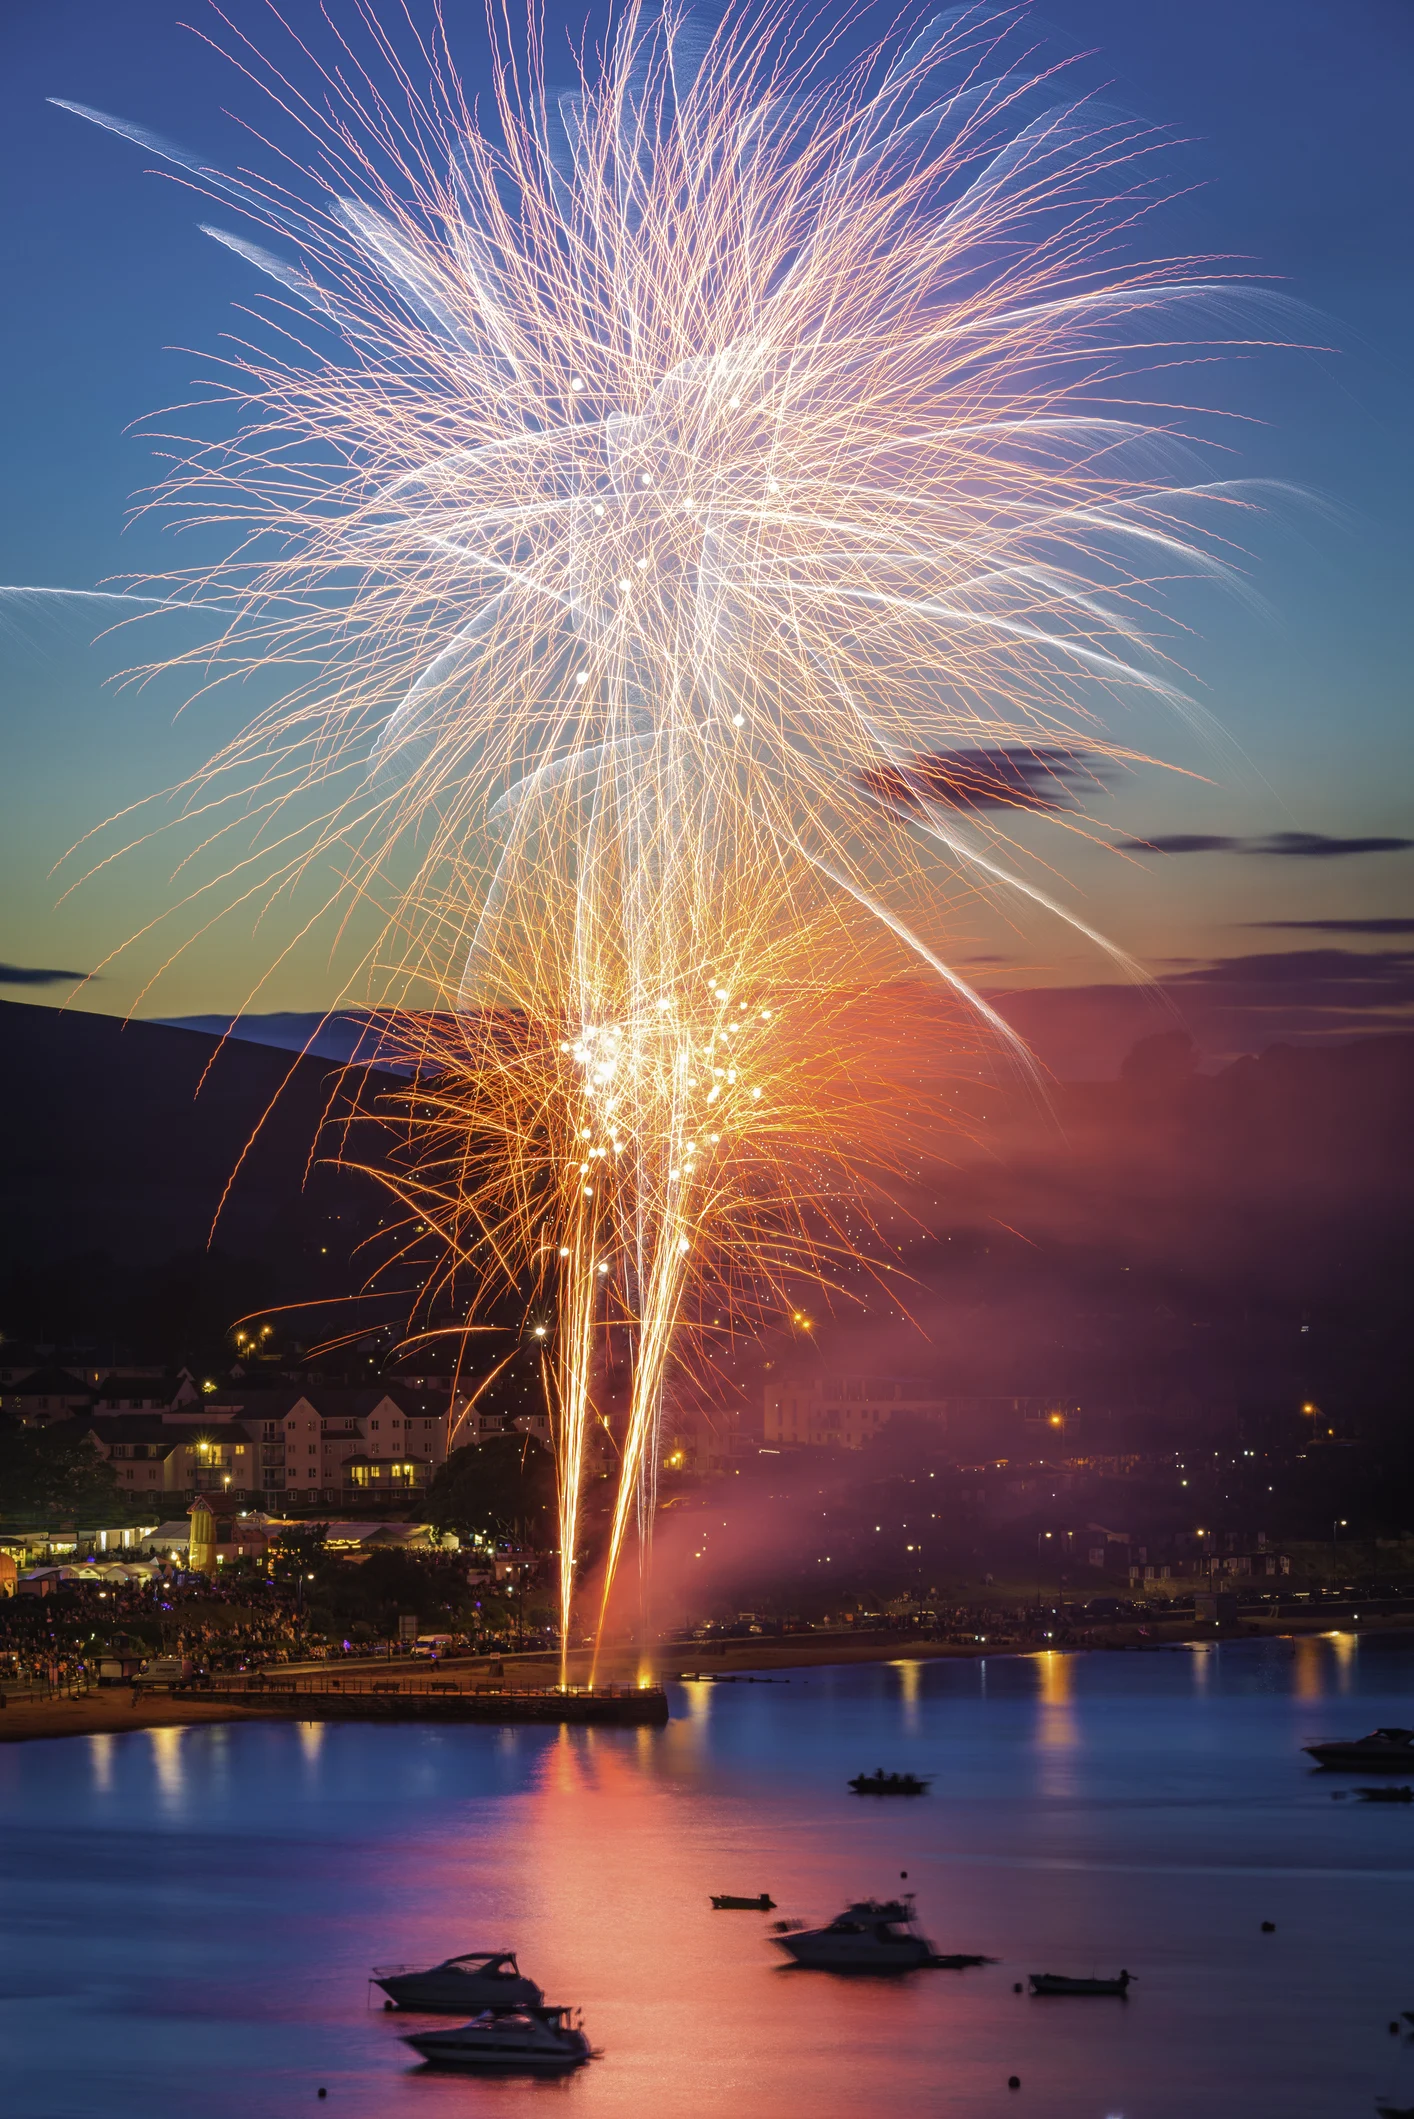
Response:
column 299, row 1549
column 55, row 1475
column 500, row 1488
column 365, row 1600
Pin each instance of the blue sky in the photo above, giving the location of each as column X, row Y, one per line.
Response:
column 1295, row 116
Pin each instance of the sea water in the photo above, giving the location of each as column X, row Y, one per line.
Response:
column 188, row 1916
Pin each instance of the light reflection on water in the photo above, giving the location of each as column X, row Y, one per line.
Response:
column 909, row 1673
column 100, row 1751
column 167, row 1765
column 202, row 1905
column 1344, row 1646
column 1057, row 1727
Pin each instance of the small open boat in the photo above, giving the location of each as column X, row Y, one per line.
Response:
column 1053, row 1983
column 762, row 1903
column 881, row 1783
column 1386, row 1795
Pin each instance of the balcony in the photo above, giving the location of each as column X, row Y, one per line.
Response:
column 369, row 1476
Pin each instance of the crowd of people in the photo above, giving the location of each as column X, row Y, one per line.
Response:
column 57, row 1641
column 244, row 1619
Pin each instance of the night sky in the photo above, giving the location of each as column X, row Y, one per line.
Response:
column 1292, row 119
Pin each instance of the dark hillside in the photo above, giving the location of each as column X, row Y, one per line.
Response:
column 114, row 1160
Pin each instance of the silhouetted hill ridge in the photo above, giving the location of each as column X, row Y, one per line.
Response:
column 1229, row 1211
column 122, row 1139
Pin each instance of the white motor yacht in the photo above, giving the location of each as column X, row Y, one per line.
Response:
column 460, row 1986
column 536, row 2041
column 874, row 1935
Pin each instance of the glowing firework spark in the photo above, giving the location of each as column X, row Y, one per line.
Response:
column 658, row 492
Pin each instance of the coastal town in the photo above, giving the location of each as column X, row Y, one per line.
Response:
column 182, row 1531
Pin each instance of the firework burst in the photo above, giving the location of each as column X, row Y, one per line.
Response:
column 655, row 499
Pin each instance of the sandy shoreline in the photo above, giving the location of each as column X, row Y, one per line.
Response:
column 114, row 1712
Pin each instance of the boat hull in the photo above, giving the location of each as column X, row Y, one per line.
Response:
column 826, row 1953
column 452, row 1994
column 1363, row 1758
column 1052, row 1983
column 439, row 2054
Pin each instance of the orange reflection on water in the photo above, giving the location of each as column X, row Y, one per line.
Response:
column 1344, row 1647
column 603, row 1872
column 167, row 1759
column 1057, row 1729
column 100, row 1751
column 1308, row 1667
column 910, row 1677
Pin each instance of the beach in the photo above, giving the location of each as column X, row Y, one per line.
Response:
column 113, row 1710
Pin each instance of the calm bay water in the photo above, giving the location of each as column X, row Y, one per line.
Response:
column 187, row 1917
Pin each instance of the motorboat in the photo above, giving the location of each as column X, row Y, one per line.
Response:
column 873, row 1935
column 459, row 1986
column 762, row 1903
column 1053, row 1983
column 881, row 1783
column 1386, row 1795
column 526, row 2041
column 1382, row 1751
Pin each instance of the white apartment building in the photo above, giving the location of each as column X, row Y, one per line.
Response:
column 329, row 1445
column 282, row 1448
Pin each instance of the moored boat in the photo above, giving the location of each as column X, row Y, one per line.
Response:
column 873, row 1935
column 460, row 1986
column 1054, row 1983
column 881, row 1783
column 1382, row 1751
column 762, row 1903
column 535, row 2041
column 1386, row 1795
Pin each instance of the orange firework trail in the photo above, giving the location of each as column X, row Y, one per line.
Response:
column 650, row 499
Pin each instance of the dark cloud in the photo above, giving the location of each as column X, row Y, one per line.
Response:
column 1013, row 776
column 1183, row 842
column 1315, row 846
column 1230, row 1006
column 1322, row 978
column 1294, row 845
column 37, row 975
column 1375, row 926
